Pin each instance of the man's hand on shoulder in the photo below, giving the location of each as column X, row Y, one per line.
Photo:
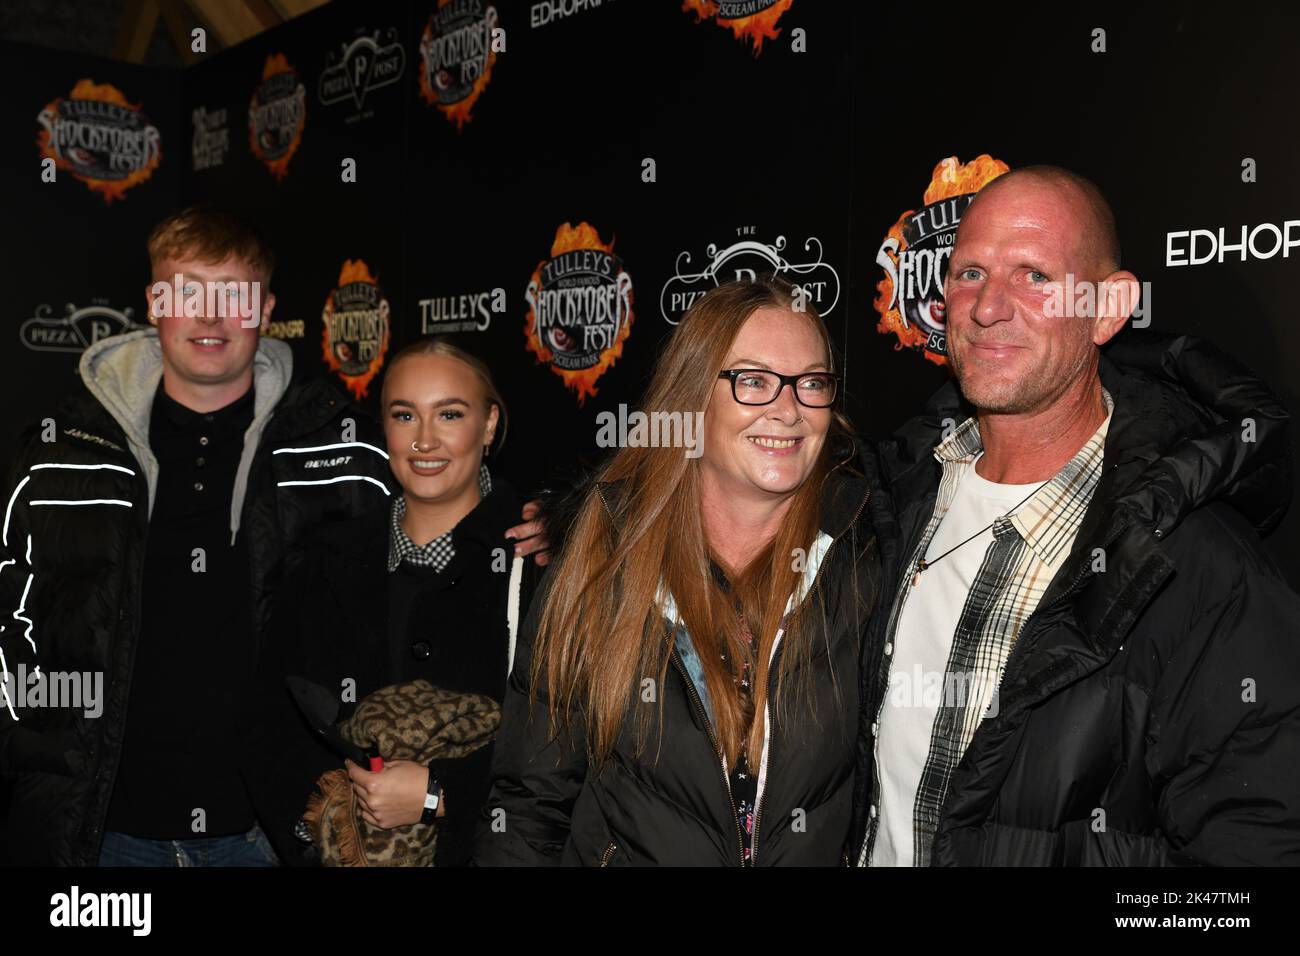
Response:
column 530, row 537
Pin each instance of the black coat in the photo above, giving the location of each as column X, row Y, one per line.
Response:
column 669, row 804
column 84, row 597
column 332, row 622
column 1127, row 733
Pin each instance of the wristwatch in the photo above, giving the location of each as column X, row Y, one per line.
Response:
column 431, row 799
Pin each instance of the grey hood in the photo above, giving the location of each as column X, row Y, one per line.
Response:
column 123, row 372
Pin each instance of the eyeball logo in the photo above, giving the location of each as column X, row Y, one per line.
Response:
column 579, row 308
column 914, row 256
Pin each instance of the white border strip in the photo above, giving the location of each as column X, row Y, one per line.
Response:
column 4, row 539
column 80, row 501
column 126, row 471
column 330, row 481
column 342, row 444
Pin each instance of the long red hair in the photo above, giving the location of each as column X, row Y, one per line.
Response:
column 601, row 633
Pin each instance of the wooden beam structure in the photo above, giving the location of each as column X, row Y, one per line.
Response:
column 227, row 22
column 135, row 30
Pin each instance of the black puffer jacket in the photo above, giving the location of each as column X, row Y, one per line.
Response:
column 670, row 804
column 1149, row 713
column 74, row 570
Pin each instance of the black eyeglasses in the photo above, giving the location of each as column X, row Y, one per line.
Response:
column 760, row 386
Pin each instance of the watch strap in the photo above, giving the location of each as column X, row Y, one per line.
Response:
column 432, row 799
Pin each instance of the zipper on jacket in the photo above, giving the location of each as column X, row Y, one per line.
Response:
column 717, row 749
column 767, row 748
column 97, row 833
column 771, row 676
column 708, row 724
column 703, row 716
column 609, row 852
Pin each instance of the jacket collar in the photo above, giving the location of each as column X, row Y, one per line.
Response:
column 1052, row 515
column 1164, row 456
column 400, row 544
column 123, row 371
column 360, row 545
column 1175, row 443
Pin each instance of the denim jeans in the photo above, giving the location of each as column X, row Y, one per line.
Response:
column 242, row 849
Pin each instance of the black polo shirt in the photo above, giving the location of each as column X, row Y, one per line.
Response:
column 195, row 650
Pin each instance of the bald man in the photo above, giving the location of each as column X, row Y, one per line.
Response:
column 1086, row 658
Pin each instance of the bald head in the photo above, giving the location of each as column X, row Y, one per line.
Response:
column 1089, row 212
column 1032, row 291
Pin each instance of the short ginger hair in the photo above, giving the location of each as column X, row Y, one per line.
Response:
column 211, row 234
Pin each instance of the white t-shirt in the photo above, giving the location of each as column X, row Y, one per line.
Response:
column 922, row 643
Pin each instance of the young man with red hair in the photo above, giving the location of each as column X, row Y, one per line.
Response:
column 145, row 528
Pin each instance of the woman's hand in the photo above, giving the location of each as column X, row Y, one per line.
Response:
column 393, row 797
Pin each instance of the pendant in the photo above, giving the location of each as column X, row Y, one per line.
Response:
column 916, row 576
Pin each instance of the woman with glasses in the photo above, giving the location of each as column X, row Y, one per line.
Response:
column 686, row 686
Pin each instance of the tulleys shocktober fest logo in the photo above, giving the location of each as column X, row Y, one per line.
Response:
column 750, row 20
column 579, row 308
column 456, row 57
column 277, row 114
column 100, row 138
column 355, row 335
column 915, row 253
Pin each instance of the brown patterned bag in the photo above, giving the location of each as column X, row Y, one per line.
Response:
column 409, row 721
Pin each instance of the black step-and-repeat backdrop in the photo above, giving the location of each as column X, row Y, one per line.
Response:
column 558, row 180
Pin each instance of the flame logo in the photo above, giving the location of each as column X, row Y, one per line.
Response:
column 80, row 161
column 754, row 28
column 950, row 178
column 456, row 110
column 277, row 64
column 354, row 271
column 582, row 381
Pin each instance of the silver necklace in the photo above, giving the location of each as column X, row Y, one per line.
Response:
column 922, row 564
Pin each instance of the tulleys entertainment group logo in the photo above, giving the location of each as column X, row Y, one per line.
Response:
column 579, row 308
column 752, row 21
column 367, row 63
column 277, row 114
column 76, row 329
column 748, row 259
column 355, row 335
column 100, row 138
column 456, row 56
column 467, row 312
column 914, row 256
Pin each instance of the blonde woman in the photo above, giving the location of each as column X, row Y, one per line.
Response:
column 423, row 588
